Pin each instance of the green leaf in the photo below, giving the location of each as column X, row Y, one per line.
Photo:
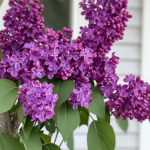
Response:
column 84, row 118
column 67, row 120
column 1, row 56
column 63, row 88
column 84, row 115
column 27, row 127
column 83, row 109
column 107, row 115
column 39, row 125
column 50, row 125
column 51, row 147
column 92, row 82
column 44, row 79
column 42, row 125
column 8, row 94
column 14, row 107
column 123, row 124
column 33, row 142
column 70, row 142
column 100, row 136
column 19, row 83
column 2, row 146
column 46, row 138
column 97, row 107
column 8, row 142
column 45, row 148
column 21, row 117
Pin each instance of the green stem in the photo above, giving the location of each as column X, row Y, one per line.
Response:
column 61, row 143
column 56, row 136
column 45, row 145
column 91, row 117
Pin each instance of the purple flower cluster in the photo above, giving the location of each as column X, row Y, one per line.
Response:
column 38, row 100
column 81, row 93
column 107, row 22
column 23, row 25
column 131, row 100
column 30, row 54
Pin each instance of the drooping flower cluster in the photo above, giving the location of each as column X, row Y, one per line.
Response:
column 106, row 25
column 81, row 93
column 131, row 100
column 38, row 100
column 30, row 54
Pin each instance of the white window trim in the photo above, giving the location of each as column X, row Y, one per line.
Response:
column 144, row 128
column 3, row 9
column 74, row 17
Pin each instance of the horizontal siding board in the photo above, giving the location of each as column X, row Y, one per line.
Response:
column 122, row 77
column 136, row 19
column 135, row 3
column 126, row 51
column 81, row 130
column 126, row 148
column 132, row 35
column 132, row 128
column 128, row 67
column 126, row 141
column 115, row 149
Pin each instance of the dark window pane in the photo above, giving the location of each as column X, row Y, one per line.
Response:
column 56, row 13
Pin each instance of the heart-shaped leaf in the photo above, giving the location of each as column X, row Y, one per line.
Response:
column 50, row 125
column 46, row 138
column 33, row 142
column 7, row 142
column 50, row 147
column 101, row 136
column 97, row 106
column 8, row 94
column 123, row 124
column 21, row 117
column 14, row 107
column 27, row 127
column 84, row 118
column 63, row 88
column 70, row 142
column 67, row 120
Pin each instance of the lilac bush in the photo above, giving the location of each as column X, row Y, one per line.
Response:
column 30, row 55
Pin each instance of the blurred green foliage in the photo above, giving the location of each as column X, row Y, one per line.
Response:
column 56, row 13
